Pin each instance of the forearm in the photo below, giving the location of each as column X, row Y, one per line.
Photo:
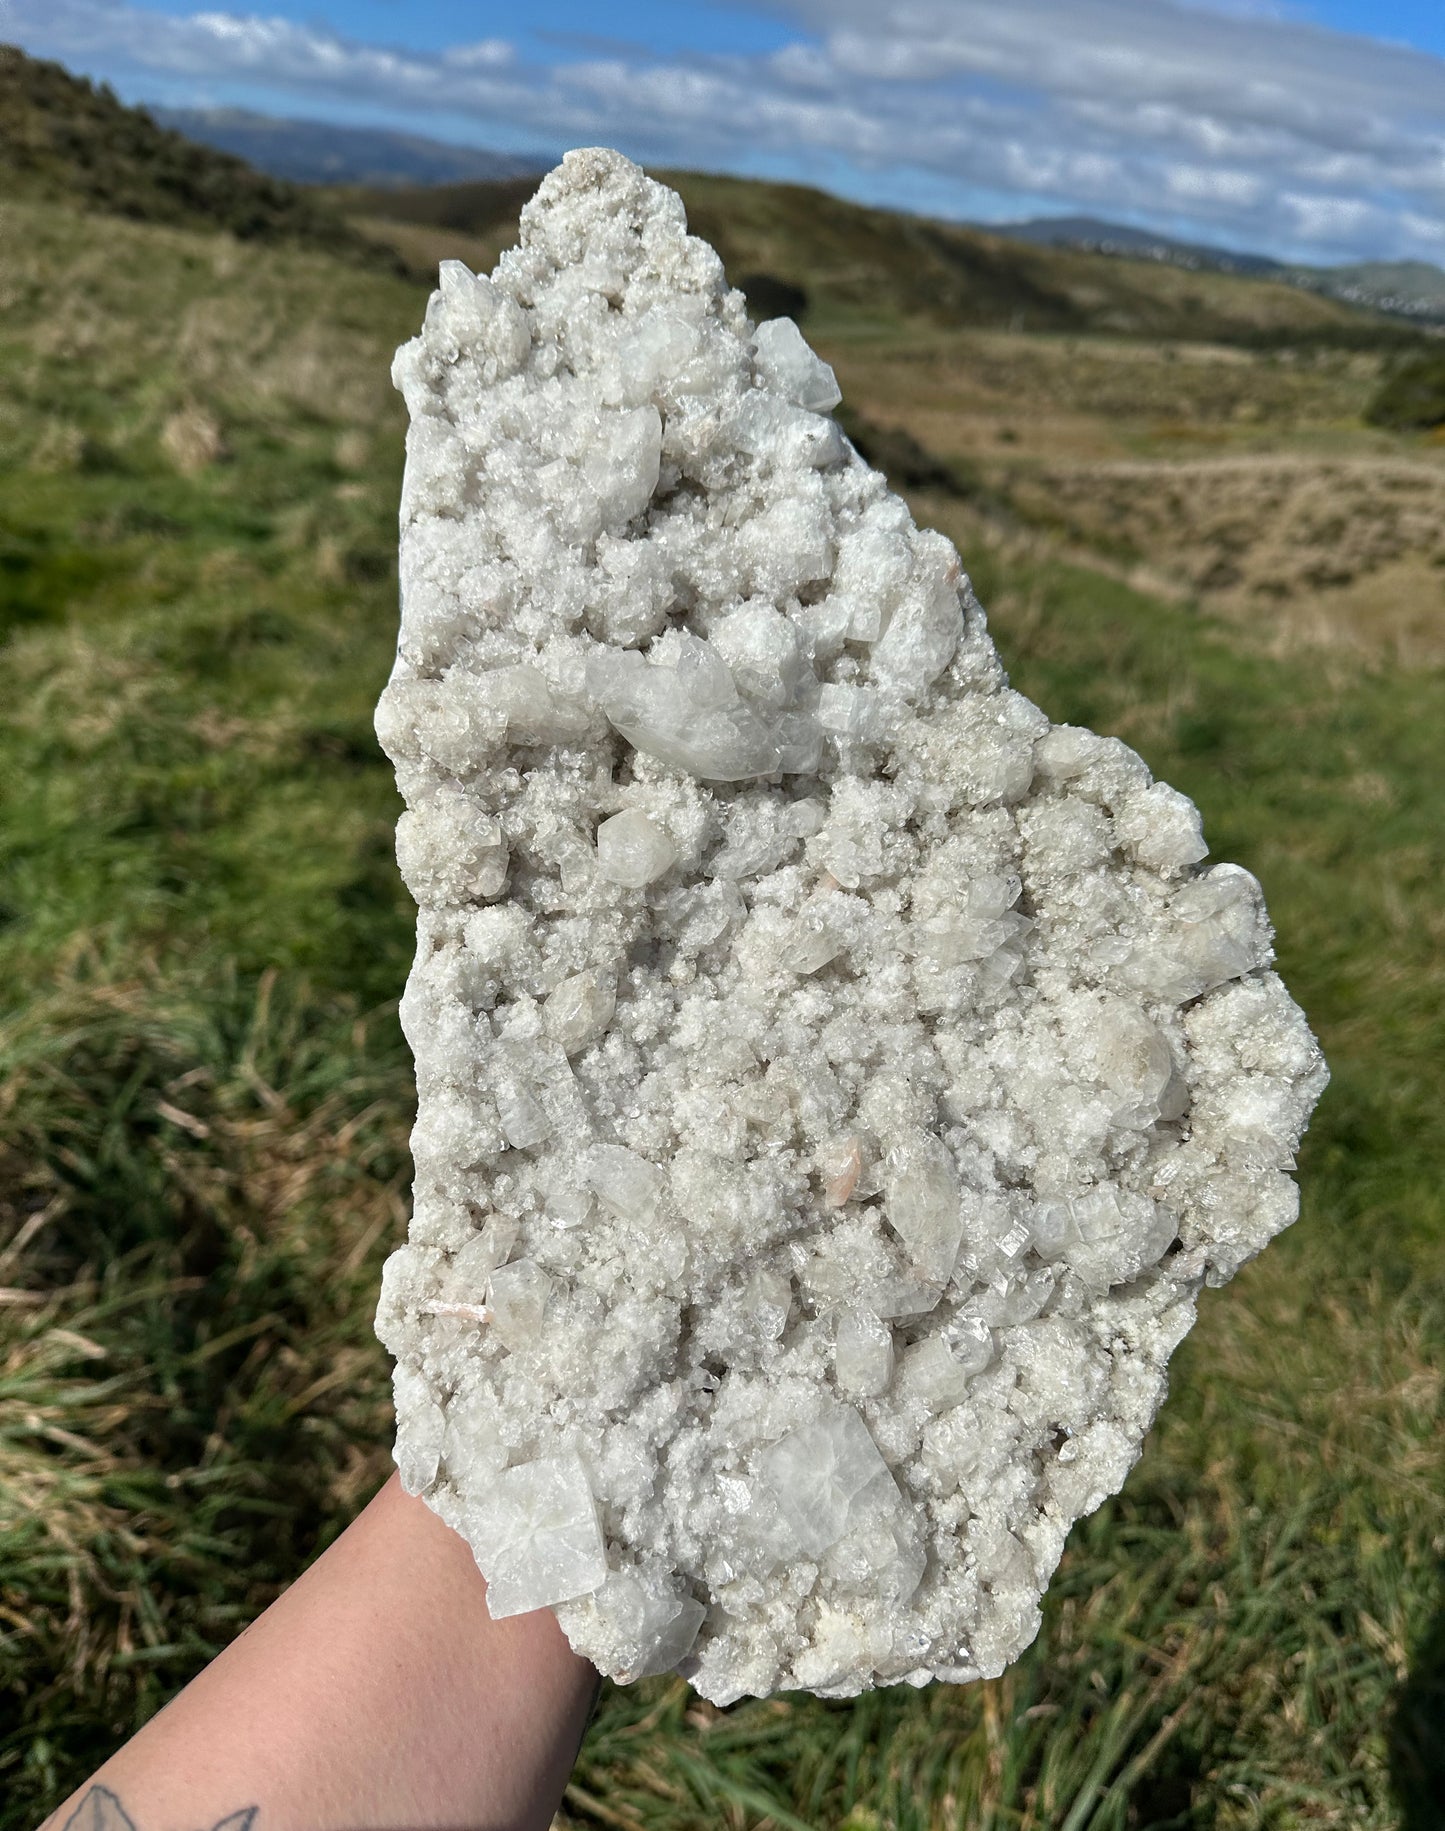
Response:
column 376, row 1695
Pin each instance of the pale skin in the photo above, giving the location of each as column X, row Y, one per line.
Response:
column 377, row 1694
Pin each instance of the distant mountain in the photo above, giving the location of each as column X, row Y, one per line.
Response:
column 320, row 152
column 68, row 141
column 1410, row 289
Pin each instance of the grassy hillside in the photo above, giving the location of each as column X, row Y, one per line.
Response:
column 858, row 263
column 65, row 140
column 206, row 1099
column 1408, row 288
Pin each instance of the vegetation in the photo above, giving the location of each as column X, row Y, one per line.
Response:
column 206, row 1099
column 1413, row 398
column 63, row 137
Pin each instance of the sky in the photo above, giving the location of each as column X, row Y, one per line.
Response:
column 1306, row 129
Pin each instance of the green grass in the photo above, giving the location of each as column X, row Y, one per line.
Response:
column 204, row 1102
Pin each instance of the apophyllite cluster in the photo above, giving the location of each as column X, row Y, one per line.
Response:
column 836, row 1082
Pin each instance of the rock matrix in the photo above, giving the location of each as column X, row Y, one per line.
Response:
column 836, row 1082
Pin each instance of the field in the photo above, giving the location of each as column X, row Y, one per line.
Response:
column 1183, row 533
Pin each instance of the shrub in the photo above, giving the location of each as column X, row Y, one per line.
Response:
column 768, row 296
column 1412, row 399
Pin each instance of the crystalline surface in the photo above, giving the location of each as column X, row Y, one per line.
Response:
column 836, row 1083
column 535, row 1528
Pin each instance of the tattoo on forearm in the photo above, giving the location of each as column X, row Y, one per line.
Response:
column 100, row 1810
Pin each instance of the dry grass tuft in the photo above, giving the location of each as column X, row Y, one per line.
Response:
column 188, row 1383
column 193, row 441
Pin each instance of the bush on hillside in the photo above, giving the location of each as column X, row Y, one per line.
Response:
column 768, row 296
column 1412, row 399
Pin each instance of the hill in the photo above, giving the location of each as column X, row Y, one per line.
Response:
column 855, row 263
column 1407, row 289
column 323, row 152
column 1412, row 288
column 1096, row 236
column 66, row 140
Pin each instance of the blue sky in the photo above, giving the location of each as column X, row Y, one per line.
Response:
column 1312, row 129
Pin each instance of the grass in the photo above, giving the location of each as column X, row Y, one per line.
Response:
column 206, row 1099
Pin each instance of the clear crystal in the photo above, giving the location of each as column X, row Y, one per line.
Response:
column 537, row 1537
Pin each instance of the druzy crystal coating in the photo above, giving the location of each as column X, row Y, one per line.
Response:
column 835, row 1081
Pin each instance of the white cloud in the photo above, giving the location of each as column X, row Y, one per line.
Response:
column 1426, row 234
column 485, row 54
column 1196, row 184
column 1230, row 120
column 1329, row 218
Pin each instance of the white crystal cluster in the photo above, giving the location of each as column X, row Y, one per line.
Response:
column 835, row 1081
